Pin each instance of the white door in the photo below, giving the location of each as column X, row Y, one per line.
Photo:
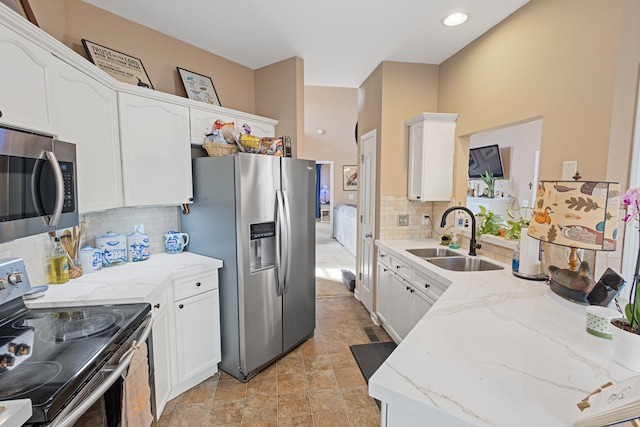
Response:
column 366, row 206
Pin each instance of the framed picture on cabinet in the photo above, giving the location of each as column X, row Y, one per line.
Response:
column 120, row 66
column 199, row 87
column 21, row 7
column 350, row 178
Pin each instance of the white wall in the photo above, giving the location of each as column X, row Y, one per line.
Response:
column 518, row 146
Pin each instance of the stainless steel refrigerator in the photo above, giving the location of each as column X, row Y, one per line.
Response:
column 257, row 214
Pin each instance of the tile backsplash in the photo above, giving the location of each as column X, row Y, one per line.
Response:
column 393, row 206
column 156, row 221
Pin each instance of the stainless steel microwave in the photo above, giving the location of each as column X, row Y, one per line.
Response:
column 37, row 184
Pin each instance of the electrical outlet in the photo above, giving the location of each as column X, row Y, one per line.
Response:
column 350, row 197
column 425, row 219
column 403, row 220
column 569, row 169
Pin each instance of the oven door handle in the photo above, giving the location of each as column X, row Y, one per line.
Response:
column 68, row 418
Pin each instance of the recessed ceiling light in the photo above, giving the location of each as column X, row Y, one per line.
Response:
column 455, row 19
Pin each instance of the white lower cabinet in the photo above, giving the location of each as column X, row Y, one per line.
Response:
column 161, row 339
column 197, row 330
column 401, row 300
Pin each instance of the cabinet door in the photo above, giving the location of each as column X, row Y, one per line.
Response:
column 156, row 156
column 383, row 293
column 25, row 84
column 258, row 128
column 161, row 355
column 202, row 121
column 431, row 147
column 87, row 115
column 421, row 304
column 400, row 319
column 416, row 148
column 197, row 335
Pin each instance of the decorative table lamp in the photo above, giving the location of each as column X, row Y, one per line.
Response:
column 580, row 215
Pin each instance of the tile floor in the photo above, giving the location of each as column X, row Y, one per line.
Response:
column 317, row 384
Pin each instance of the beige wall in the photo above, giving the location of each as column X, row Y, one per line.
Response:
column 571, row 72
column 335, row 111
column 280, row 94
column 407, row 90
column 69, row 21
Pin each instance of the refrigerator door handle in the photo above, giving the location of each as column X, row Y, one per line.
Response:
column 287, row 214
column 279, row 252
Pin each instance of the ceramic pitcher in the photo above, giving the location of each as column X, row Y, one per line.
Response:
column 175, row 242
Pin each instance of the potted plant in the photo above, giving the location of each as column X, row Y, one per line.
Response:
column 515, row 224
column 626, row 332
column 490, row 181
column 490, row 222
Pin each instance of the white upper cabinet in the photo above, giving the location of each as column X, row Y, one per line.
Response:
column 156, row 155
column 87, row 115
column 260, row 129
column 431, row 148
column 202, row 121
column 25, row 83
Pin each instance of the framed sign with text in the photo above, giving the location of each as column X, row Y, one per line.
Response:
column 120, row 66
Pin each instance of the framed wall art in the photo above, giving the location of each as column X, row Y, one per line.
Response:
column 199, row 87
column 120, row 66
column 22, row 8
column 350, row 178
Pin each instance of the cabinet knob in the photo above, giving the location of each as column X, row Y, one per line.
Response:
column 157, row 305
column 411, row 290
column 198, row 284
column 181, row 306
column 398, row 267
column 0, row 113
column 191, row 199
column 427, row 286
column 384, row 269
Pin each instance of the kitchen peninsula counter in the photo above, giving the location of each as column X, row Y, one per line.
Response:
column 494, row 350
column 131, row 282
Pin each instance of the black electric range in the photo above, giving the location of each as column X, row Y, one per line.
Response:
column 51, row 355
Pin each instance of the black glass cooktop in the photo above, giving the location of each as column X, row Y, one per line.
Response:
column 47, row 354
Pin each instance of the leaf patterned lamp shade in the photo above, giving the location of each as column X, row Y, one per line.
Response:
column 578, row 214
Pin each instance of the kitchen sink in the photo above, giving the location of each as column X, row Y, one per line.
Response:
column 432, row 252
column 464, row 264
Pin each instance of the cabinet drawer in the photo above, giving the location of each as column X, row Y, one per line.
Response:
column 401, row 269
column 194, row 285
column 384, row 258
column 427, row 285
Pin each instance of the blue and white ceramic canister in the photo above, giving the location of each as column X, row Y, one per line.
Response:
column 113, row 248
column 90, row 259
column 137, row 247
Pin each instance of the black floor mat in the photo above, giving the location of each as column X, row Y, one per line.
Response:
column 369, row 357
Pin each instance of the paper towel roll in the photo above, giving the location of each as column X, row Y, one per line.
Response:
column 529, row 254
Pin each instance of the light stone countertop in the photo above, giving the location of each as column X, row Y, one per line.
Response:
column 494, row 350
column 15, row 412
column 131, row 282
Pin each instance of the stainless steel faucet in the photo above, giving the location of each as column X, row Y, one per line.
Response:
column 472, row 244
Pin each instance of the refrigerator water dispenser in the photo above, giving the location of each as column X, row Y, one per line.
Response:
column 263, row 246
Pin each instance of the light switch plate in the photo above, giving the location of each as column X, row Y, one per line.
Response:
column 403, row 220
column 569, row 169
